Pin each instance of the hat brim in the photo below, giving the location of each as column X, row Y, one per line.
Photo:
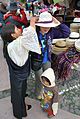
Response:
column 70, row 41
column 58, row 39
column 58, row 50
column 47, row 24
column 50, row 24
column 55, row 52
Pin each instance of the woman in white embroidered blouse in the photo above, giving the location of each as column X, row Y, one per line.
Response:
column 17, row 57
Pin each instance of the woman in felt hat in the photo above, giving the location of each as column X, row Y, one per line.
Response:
column 48, row 28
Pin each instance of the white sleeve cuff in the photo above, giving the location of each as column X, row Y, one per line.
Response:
column 55, row 108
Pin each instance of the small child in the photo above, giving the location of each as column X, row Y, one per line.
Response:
column 49, row 99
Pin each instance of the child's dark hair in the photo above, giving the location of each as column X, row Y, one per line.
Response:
column 6, row 32
column 46, row 79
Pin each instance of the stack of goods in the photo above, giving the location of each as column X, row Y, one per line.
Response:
column 77, row 45
column 75, row 26
column 59, row 47
column 74, row 36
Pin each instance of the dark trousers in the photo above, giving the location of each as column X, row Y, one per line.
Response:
column 18, row 91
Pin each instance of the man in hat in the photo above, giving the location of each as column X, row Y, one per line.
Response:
column 19, row 19
column 48, row 28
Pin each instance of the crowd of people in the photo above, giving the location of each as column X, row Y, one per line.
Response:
column 27, row 45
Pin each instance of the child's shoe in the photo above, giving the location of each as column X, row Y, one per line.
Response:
column 50, row 112
column 50, row 116
column 29, row 107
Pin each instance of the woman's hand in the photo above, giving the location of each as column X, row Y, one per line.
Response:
column 56, row 21
column 33, row 21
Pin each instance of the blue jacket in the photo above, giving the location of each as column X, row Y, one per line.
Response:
column 62, row 31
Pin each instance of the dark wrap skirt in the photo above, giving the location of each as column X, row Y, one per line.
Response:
column 18, row 83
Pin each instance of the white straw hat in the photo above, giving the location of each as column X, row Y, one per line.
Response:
column 59, row 47
column 77, row 45
column 74, row 36
column 74, row 27
column 47, row 20
column 76, row 20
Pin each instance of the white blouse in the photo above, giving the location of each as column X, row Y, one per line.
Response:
column 18, row 49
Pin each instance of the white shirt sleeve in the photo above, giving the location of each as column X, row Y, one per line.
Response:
column 30, row 40
column 18, row 49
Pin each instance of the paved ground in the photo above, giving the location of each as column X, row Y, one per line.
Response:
column 4, row 78
column 34, row 113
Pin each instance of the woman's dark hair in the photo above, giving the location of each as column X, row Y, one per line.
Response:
column 6, row 32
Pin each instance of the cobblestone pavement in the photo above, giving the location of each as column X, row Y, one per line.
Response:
column 69, row 92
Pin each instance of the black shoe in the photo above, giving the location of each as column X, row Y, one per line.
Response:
column 26, row 95
column 29, row 107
